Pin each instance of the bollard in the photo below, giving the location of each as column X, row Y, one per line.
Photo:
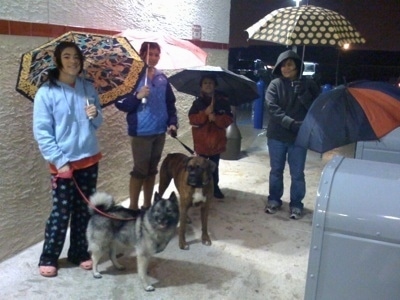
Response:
column 258, row 106
column 233, row 144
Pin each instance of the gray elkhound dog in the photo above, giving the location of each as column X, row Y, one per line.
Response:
column 149, row 232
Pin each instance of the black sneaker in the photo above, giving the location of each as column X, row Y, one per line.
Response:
column 272, row 207
column 295, row 213
column 218, row 194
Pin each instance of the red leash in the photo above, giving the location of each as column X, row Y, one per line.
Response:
column 98, row 210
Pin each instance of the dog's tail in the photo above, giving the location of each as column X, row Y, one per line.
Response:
column 101, row 201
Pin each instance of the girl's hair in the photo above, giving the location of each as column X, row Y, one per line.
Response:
column 54, row 73
column 150, row 45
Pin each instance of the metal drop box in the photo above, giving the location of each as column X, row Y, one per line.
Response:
column 355, row 243
column 387, row 149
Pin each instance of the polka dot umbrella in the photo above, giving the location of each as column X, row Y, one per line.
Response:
column 305, row 25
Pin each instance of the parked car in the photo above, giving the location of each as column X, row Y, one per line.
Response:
column 256, row 69
column 251, row 68
column 311, row 70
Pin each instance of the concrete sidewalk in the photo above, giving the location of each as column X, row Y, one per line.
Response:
column 253, row 255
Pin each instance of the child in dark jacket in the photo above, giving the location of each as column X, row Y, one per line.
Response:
column 209, row 116
column 288, row 99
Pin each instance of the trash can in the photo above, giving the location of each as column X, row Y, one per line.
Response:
column 355, row 243
column 387, row 149
column 233, row 144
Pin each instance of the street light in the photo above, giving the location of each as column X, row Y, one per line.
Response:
column 297, row 2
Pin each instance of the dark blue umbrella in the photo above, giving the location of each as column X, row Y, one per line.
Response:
column 359, row 111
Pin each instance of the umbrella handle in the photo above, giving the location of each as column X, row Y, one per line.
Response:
column 88, row 103
column 302, row 62
column 144, row 100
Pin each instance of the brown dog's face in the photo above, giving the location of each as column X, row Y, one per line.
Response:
column 199, row 171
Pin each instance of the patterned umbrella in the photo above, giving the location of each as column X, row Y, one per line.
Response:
column 305, row 25
column 111, row 64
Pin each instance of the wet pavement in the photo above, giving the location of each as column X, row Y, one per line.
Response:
column 253, row 255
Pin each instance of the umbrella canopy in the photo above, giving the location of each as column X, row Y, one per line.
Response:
column 305, row 25
column 359, row 111
column 111, row 64
column 175, row 53
column 238, row 88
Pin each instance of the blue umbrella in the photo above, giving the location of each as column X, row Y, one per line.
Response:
column 358, row 111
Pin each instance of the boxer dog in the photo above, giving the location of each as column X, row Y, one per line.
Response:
column 194, row 182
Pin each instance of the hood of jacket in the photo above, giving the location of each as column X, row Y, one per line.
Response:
column 282, row 57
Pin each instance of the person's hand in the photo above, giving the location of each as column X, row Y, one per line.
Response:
column 298, row 87
column 209, row 110
column 65, row 172
column 143, row 92
column 91, row 111
column 211, row 117
column 295, row 126
column 172, row 131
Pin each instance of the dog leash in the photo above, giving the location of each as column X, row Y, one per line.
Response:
column 186, row 147
column 96, row 209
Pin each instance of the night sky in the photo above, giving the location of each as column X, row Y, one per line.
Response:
column 377, row 21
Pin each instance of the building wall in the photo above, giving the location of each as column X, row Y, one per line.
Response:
column 24, row 180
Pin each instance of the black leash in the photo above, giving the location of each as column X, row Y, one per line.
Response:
column 186, row 147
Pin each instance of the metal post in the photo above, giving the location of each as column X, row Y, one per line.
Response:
column 259, row 105
column 337, row 68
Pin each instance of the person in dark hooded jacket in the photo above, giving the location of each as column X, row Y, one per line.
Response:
column 288, row 99
column 210, row 115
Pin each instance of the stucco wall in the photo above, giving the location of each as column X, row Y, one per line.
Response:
column 24, row 180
